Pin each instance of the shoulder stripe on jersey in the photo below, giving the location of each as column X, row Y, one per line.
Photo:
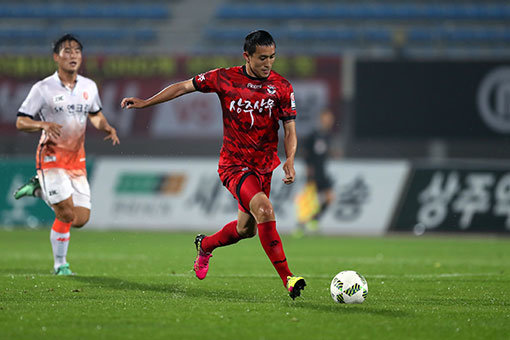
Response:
column 21, row 114
column 288, row 118
column 95, row 112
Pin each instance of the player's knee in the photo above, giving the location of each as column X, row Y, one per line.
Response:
column 65, row 215
column 264, row 212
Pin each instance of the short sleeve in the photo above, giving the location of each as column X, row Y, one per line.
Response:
column 287, row 103
column 207, row 82
column 95, row 106
column 33, row 103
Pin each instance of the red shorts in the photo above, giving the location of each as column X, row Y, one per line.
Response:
column 244, row 183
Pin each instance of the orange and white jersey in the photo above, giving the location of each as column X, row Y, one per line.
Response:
column 54, row 102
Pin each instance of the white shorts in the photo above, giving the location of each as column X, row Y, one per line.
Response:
column 58, row 185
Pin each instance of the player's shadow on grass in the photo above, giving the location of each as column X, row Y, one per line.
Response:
column 169, row 288
column 353, row 309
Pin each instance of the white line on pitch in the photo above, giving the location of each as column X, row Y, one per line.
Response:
column 323, row 276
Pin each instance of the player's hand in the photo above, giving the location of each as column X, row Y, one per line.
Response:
column 53, row 130
column 112, row 134
column 132, row 103
column 290, row 173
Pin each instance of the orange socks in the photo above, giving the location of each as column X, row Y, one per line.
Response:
column 59, row 237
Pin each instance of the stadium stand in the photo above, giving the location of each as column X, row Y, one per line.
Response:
column 366, row 28
column 31, row 27
column 370, row 28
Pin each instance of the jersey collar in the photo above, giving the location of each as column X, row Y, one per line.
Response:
column 57, row 79
column 253, row 78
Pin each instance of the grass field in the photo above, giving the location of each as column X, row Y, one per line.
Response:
column 140, row 285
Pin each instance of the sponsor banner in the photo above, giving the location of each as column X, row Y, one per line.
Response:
column 450, row 100
column 316, row 82
column 187, row 194
column 475, row 199
column 366, row 194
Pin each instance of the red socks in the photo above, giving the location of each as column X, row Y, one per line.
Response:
column 272, row 245
column 269, row 239
column 224, row 237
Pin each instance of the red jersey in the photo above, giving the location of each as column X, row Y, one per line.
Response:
column 252, row 108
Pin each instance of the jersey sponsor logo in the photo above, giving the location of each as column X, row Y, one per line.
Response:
column 48, row 159
column 254, row 86
column 52, row 192
column 292, row 101
column 271, row 89
column 247, row 106
column 58, row 98
column 73, row 109
column 85, row 95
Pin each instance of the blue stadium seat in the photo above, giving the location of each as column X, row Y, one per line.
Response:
column 330, row 34
column 22, row 34
column 365, row 11
column 90, row 34
column 459, row 34
column 90, row 11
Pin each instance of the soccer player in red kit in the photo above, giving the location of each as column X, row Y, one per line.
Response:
column 253, row 99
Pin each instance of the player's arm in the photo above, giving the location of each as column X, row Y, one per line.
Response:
column 27, row 124
column 101, row 123
column 168, row 93
column 290, row 144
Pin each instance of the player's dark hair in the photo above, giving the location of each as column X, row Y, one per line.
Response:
column 257, row 38
column 57, row 44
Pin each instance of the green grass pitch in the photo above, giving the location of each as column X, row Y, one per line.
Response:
column 134, row 285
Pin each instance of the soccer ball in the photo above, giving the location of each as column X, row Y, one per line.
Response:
column 349, row 287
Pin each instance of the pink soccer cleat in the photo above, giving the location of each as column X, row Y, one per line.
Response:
column 201, row 265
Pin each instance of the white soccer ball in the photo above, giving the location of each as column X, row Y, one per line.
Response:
column 349, row 287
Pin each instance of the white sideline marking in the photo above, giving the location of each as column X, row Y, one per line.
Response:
column 264, row 276
column 342, row 261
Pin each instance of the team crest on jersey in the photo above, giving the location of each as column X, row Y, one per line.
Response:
column 85, row 95
column 271, row 89
column 58, row 98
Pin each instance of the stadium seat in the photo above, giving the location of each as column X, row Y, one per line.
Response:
column 365, row 11
column 124, row 11
column 87, row 34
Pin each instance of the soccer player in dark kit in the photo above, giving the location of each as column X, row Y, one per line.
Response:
column 253, row 99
